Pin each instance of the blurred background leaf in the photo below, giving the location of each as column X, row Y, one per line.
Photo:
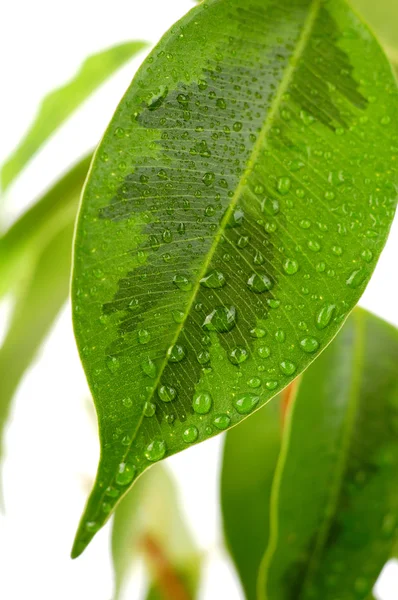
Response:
column 59, row 104
column 250, row 455
column 382, row 17
column 149, row 523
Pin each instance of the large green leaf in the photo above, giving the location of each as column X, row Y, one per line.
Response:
column 382, row 16
column 335, row 493
column 149, row 522
column 35, row 269
column 250, row 456
column 235, row 210
column 61, row 103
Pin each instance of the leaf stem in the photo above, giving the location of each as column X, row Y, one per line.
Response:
column 168, row 580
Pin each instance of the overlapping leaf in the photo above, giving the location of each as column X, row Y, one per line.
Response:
column 233, row 215
column 382, row 16
column 334, row 499
column 250, row 456
column 148, row 523
column 61, row 103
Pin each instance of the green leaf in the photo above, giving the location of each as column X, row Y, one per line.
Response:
column 382, row 16
column 149, row 522
column 60, row 104
column 335, row 493
column 35, row 268
column 20, row 245
column 250, row 456
column 244, row 188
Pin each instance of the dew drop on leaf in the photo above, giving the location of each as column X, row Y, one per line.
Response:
column 149, row 409
column 290, row 266
column 176, row 353
column 246, row 403
column 190, row 434
column 166, row 393
column 155, row 450
column 325, row 315
column 309, row 344
column 238, row 355
column 287, row 367
column 202, row 403
column 259, row 283
column 182, row 283
column 221, row 319
column 214, row 279
column 221, row 421
column 149, row 367
column 125, row 474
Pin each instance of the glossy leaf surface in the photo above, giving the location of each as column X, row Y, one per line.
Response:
column 335, row 495
column 233, row 215
column 62, row 102
column 148, row 522
column 250, row 456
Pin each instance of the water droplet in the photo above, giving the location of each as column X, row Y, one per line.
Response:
column 257, row 332
column 190, row 434
column 264, row 352
column 237, row 126
column 182, row 283
column 113, row 364
column 235, row 219
column 167, row 236
column 290, row 266
column 149, row 367
column 92, row 526
column 221, row 421
column 157, row 100
column 367, row 255
column 176, row 353
column 178, row 316
column 356, row 278
column 214, row 279
column 167, row 393
column 254, row 382
column 220, row 103
column 259, row 283
column 314, row 245
column 155, row 450
column 284, row 185
column 325, row 315
column 258, row 258
column 112, row 492
column 203, row 357
column 208, row 178
column 125, row 474
column 246, row 403
column 280, row 336
column 149, row 409
column 287, row 367
column 309, row 344
column 221, row 319
column 238, row 355
column 127, row 402
column 143, row 336
column 271, row 385
column 202, row 402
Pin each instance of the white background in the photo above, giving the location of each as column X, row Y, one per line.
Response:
column 51, row 442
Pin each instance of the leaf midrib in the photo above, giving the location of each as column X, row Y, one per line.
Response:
column 286, row 79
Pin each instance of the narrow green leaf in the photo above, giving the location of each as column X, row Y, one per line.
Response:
column 335, row 494
column 382, row 16
column 35, row 268
column 60, row 104
column 39, row 301
column 250, row 456
column 21, row 243
column 149, row 522
column 244, row 188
